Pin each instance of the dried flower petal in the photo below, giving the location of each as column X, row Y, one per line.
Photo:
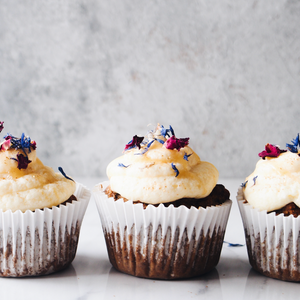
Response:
column 186, row 156
column 175, row 169
column 244, row 184
column 164, row 131
column 233, row 245
column 271, row 151
column 135, row 142
column 1, row 126
column 174, row 143
column 122, row 165
column 22, row 160
column 60, row 169
column 294, row 146
column 5, row 144
column 254, row 179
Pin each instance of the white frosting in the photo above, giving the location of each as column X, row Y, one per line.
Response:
column 277, row 183
column 150, row 178
column 37, row 186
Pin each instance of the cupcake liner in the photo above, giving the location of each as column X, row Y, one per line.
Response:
column 273, row 242
column 43, row 241
column 161, row 242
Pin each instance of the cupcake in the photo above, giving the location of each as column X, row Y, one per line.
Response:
column 269, row 202
column 163, row 214
column 40, row 212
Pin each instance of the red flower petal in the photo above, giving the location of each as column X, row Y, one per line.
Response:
column 271, row 151
column 174, row 143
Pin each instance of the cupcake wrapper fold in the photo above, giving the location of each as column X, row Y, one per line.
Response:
column 43, row 241
column 161, row 242
column 273, row 242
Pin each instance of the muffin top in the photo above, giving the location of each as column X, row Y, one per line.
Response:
column 25, row 183
column 275, row 181
column 160, row 168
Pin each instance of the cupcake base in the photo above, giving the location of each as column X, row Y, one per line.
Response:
column 161, row 242
column 166, row 260
column 273, row 242
column 41, row 242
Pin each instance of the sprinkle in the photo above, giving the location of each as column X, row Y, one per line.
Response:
column 233, row 245
column 122, row 165
column 22, row 160
column 271, row 151
column 135, row 142
column 60, row 169
column 254, row 179
column 295, row 143
column 175, row 169
column 244, row 184
column 174, row 143
column 186, row 156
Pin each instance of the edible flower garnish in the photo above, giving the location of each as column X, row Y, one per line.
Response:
column 233, row 245
column 254, row 179
column 244, row 184
column 135, row 142
column 122, row 165
column 186, row 156
column 24, row 143
column 270, row 151
column 167, row 132
column 294, row 146
column 175, row 143
column 60, row 169
column 175, row 169
column 147, row 147
column 22, row 160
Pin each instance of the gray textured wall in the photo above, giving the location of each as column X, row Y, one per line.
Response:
column 82, row 77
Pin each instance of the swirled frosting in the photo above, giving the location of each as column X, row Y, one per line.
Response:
column 275, row 182
column 161, row 169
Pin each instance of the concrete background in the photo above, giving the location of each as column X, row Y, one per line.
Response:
column 82, row 77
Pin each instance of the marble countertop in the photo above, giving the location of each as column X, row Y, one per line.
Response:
column 91, row 276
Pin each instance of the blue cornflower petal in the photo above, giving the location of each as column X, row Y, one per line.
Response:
column 60, row 169
column 254, row 179
column 186, row 156
column 175, row 169
column 244, row 184
column 161, row 141
column 122, row 165
column 292, row 148
column 233, row 245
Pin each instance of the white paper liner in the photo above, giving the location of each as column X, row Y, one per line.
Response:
column 170, row 237
column 272, row 241
column 43, row 241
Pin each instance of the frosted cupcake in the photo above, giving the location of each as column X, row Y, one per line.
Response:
column 269, row 202
column 163, row 216
column 40, row 212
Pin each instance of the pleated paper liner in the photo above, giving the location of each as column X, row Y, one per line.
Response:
column 273, row 242
column 43, row 241
column 161, row 242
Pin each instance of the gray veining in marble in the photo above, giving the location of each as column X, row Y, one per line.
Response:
column 82, row 77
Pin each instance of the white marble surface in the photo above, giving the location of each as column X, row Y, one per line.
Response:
column 81, row 77
column 91, row 276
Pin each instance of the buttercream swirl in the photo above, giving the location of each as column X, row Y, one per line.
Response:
column 274, row 183
column 157, row 174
